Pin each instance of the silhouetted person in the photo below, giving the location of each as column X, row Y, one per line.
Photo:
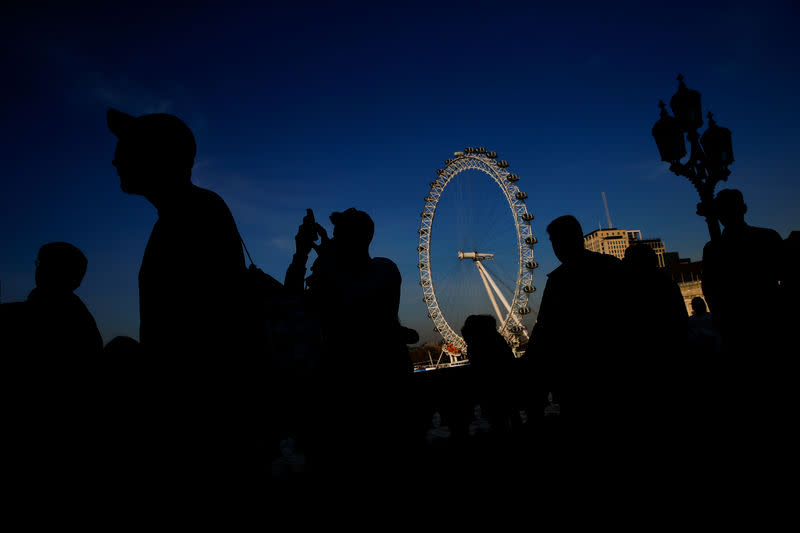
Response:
column 53, row 322
column 576, row 349
column 190, row 308
column 741, row 275
column 189, row 279
column 657, row 322
column 364, row 365
column 51, row 347
column 122, row 346
column 491, row 360
column 790, row 289
column 703, row 339
column 659, row 305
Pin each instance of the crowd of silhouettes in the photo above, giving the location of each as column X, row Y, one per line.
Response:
column 186, row 408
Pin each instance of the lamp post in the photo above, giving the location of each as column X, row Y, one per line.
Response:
column 709, row 156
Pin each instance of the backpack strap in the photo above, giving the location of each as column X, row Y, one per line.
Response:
column 245, row 250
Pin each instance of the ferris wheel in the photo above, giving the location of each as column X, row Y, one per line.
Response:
column 437, row 256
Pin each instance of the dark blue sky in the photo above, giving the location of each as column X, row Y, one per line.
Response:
column 358, row 103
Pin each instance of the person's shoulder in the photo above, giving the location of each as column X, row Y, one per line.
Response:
column 76, row 303
column 385, row 266
column 384, row 263
column 764, row 234
column 597, row 260
column 556, row 272
column 208, row 200
column 12, row 310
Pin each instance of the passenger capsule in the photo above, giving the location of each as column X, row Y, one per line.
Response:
column 458, row 154
column 530, row 240
column 521, row 195
column 469, row 150
column 502, row 163
column 527, row 217
column 491, row 155
column 481, row 150
column 512, row 178
column 529, row 289
column 532, row 264
column 448, row 161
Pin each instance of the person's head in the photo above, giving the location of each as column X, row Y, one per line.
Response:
column 478, row 328
column 641, row 257
column 154, row 152
column 122, row 346
column 352, row 231
column 60, row 267
column 566, row 236
column 698, row 306
column 730, row 207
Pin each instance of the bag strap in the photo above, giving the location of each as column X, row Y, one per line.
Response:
column 245, row 250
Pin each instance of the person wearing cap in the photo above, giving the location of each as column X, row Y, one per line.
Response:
column 190, row 292
column 752, row 385
column 741, row 277
column 364, row 364
column 193, row 260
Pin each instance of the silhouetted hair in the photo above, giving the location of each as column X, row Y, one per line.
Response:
column 478, row 326
column 163, row 137
column 60, row 266
column 699, row 305
column 730, row 196
column 354, row 225
column 641, row 257
column 565, row 228
column 122, row 346
column 730, row 200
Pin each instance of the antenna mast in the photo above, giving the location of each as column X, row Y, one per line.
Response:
column 608, row 217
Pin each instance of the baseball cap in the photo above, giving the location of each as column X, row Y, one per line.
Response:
column 355, row 223
column 162, row 133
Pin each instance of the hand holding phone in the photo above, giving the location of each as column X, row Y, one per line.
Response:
column 306, row 234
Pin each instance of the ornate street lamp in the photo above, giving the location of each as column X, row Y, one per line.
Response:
column 709, row 155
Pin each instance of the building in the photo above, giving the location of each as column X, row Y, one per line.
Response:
column 611, row 241
column 688, row 275
column 615, row 241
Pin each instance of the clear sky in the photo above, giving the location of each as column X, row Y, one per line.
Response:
column 342, row 104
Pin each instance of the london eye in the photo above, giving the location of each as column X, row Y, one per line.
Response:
column 476, row 248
